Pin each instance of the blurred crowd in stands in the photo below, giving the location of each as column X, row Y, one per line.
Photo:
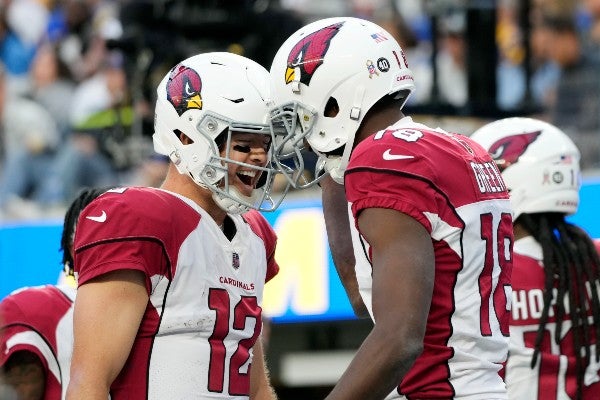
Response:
column 77, row 77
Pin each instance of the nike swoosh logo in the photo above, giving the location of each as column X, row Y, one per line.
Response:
column 388, row 156
column 99, row 218
column 234, row 100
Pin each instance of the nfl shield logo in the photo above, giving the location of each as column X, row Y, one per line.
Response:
column 235, row 260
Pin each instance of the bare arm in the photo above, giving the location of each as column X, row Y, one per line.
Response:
column 108, row 312
column 403, row 275
column 25, row 373
column 260, row 388
column 337, row 225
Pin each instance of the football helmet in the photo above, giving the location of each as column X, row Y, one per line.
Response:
column 346, row 64
column 538, row 161
column 208, row 97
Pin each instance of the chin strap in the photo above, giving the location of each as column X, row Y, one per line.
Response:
column 230, row 202
column 333, row 166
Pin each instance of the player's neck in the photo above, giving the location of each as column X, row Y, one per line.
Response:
column 376, row 121
column 185, row 186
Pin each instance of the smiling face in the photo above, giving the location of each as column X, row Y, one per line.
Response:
column 247, row 148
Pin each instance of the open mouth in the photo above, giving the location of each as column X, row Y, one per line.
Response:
column 247, row 177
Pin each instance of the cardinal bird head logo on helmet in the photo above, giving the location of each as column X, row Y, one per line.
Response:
column 507, row 150
column 307, row 55
column 183, row 89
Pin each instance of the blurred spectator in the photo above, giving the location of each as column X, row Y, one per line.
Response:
column 88, row 26
column 451, row 60
column 52, row 85
column 414, row 37
column 89, row 158
column 29, row 140
column 511, row 72
column 24, row 26
column 101, row 91
column 98, row 116
column 545, row 72
column 577, row 102
column 511, row 82
column 576, row 109
column 591, row 37
column 314, row 9
column 555, row 7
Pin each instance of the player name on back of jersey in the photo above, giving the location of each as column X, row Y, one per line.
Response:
column 528, row 305
column 488, row 177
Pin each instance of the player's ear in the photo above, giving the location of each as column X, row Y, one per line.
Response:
column 185, row 139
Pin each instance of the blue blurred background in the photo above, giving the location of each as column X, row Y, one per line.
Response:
column 307, row 289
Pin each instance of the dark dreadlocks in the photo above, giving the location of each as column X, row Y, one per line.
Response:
column 572, row 266
column 84, row 198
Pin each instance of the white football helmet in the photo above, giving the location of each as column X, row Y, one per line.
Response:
column 348, row 62
column 539, row 164
column 208, row 97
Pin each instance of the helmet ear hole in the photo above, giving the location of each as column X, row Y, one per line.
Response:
column 402, row 95
column 183, row 138
column 336, row 152
column 332, row 108
column 221, row 139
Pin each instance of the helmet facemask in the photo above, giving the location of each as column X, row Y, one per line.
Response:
column 290, row 123
column 213, row 174
column 225, row 193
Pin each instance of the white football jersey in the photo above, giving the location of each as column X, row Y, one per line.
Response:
column 204, row 315
column 453, row 188
column 554, row 376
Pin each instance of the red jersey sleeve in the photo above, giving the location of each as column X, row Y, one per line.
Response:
column 133, row 228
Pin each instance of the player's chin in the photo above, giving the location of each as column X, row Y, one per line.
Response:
column 244, row 188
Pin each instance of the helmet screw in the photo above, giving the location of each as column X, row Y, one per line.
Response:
column 321, row 133
column 337, row 140
column 210, row 173
column 211, row 125
column 174, row 156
